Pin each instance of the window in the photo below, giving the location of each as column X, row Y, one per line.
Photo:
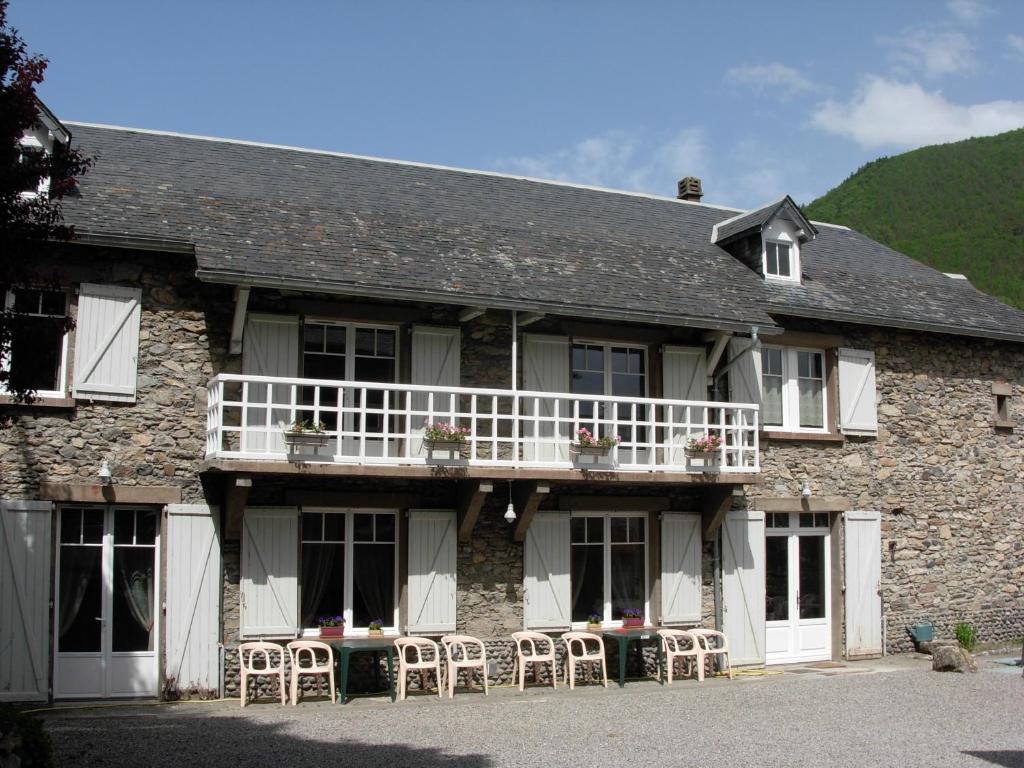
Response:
column 608, row 565
column 781, row 261
column 39, row 346
column 793, row 389
column 604, row 369
column 348, row 567
column 353, row 353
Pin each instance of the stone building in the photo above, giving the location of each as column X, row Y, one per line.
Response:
column 159, row 504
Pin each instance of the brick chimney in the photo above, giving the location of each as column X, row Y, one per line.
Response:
column 689, row 189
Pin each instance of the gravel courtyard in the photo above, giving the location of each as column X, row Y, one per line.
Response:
column 892, row 712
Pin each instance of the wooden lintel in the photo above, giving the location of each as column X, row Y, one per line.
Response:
column 527, row 497
column 471, row 313
column 614, row 503
column 238, row 321
column 472, row 495
column 717, row 501
column 96, row 493
column 807, row 339
column 257, row 467
column 235, row 496
column 345, row 308
column 800, row 504
column 365, row 500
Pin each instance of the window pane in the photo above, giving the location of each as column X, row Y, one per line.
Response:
column 145, row 526
column 363, row 528
column 365, row 341
column 578, row 530
column 620, row 360
column 784, row 270
column 322, row 367
column 821, row 519
column 133, row 604
column 776, row 578
column 334, row 527
column 124, row 526
column 628, row 385
column 70, row 526
column 619, row 529
column 773, row 259
column 54, row 303
column 334, row 340
column 79, row 599
column 636, row 361
column 313, row 338
column 812, row 412
column 375, row 369
column 26, row 300
column 323, row 581
column 812, row 577
column 37, row 346
column 587, row 383
column 587, row 581
column 771, row 396
column 771, row 362
column 92, row 529
column 595, row 358
column 385, row 527
column 385, row 343
column 627, row 566
column 579, row 356
column 373, row 584
column 595, row 529
column 312, row 526
column 636, row 529
column 806, row 519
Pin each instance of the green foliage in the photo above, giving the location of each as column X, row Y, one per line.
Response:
column 956, row 207
column 966, row 635
column 23, row 735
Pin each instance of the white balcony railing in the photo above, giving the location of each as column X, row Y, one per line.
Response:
column 374, row 423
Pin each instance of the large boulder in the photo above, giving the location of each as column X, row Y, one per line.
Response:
column 947, row 658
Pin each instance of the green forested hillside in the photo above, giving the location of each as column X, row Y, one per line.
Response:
column 957, row 207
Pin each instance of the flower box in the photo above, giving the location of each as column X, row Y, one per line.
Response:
column 591, row 450
column 632, row 622
column 455, row 446
column 375, row 632
column 332, row 632
column 306, row 439
column 594, row 627
column 706, row 456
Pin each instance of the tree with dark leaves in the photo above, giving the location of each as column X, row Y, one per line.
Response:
column 32, row 185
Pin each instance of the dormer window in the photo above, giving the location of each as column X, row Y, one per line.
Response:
column 778, row 260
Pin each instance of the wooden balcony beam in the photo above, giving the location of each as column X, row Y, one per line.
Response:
column 527, row 497
column 236, row 494
column 471, row 313
column 472, row 495
column 717, row 502
column 238, row 321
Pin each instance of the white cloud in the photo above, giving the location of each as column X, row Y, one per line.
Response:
column 775, row 76
column 890, row 113
column 619, row 160
column 1016, row 43
column 932, row 52
column 968, row 10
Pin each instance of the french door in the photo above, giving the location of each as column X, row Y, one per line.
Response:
column 797, row 588
column 106, row 621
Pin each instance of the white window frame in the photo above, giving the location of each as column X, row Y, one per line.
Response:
column 608, row 345
column 33, row 143
column 349, row 544
column 606, row 545
column 791, row 391
column 62, row 371
column 350, row 342
column 794, row 258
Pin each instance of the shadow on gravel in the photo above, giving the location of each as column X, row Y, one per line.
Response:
column 171, row 741
column 1011, row 758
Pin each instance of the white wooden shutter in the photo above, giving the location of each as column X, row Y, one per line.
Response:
column 432, row 559
column 270, row 568
column 24, row 600
column 270, row 347
column 546, row 561
column 194, row 586
column 685, row 377
column 436, row 357
column 745, row 375
column 107, row 342
column 743, row 617
column 857, row 412
column 680, row 568
column 546, row 369
column 863, row 584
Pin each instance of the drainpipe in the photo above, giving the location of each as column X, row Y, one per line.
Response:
column 515, row 351
column 717, row 571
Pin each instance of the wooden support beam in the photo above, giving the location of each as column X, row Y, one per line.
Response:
column 472, row 495
column 717, row 501
column 365, row 500
column 527, row 497
column 719, row 342
column 238, row 321
column 800, row 504
column 529, row 318
column 614, row 503
column 97, row 493
column 471, row 313
column 236, row 494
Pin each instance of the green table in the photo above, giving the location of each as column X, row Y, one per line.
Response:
column 624, row 637
column 345, row 647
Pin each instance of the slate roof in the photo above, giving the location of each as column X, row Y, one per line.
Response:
column 277, row 216
column 755, row 220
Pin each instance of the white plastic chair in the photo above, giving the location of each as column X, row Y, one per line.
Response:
column 414, row 647
column 464, row 652
column 586, row 648
column 527, row 653
column 713, row 643
column 305, row 662
column 254, row 659
column 680, row 644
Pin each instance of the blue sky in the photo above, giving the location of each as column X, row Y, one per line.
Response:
column 759, row 99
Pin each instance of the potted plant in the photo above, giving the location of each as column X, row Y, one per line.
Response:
column 376, row 628
column 706, row 447
column 632, row 617
column 594, row 622
column 441, row 436
column 306, row 433
column 331, row 626
column 588, row 445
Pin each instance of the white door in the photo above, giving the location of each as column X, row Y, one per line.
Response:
column 863, row 585
column 743, row 585
column 106, row 623
column 797, row 588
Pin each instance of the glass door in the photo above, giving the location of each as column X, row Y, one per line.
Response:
column 106, row 623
